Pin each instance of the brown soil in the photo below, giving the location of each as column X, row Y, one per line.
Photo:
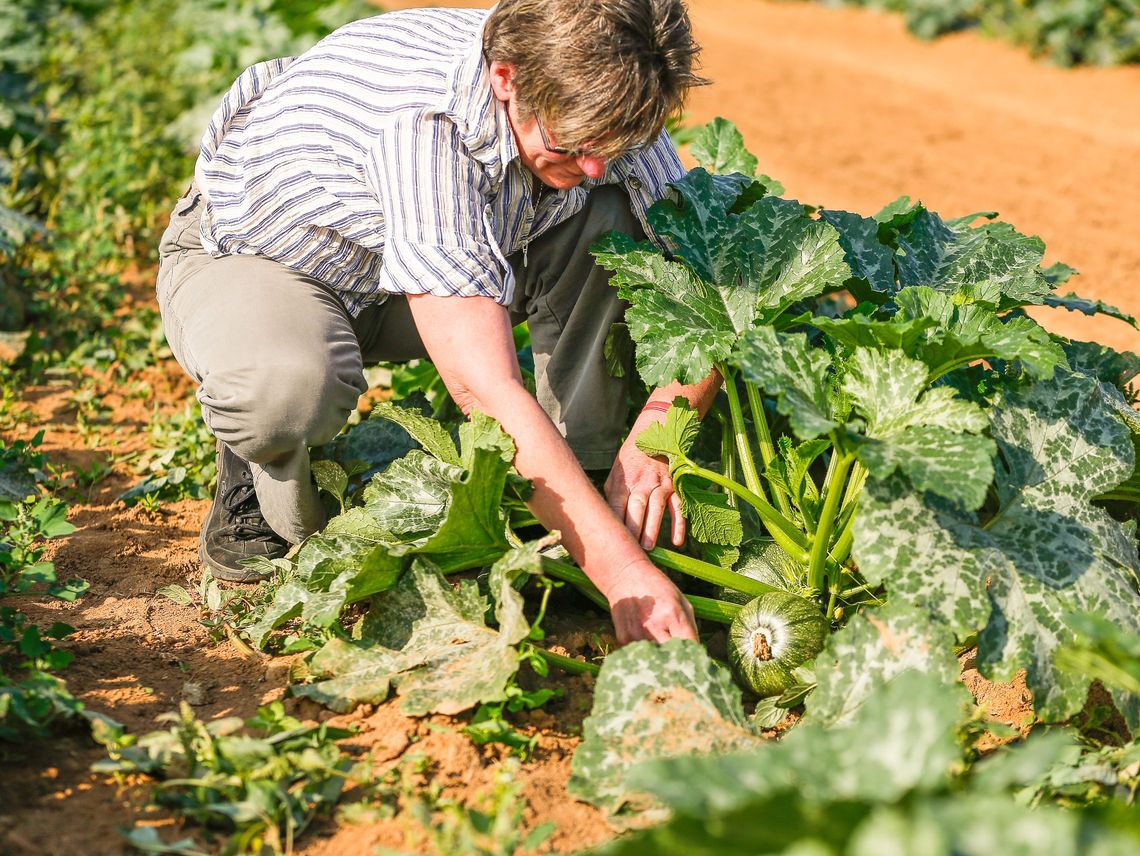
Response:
column 842, row 106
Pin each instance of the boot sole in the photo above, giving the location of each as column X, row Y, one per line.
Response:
column 230, row 575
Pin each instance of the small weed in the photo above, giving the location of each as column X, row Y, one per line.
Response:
column 258, row 783
column 489, row 824
column 180, row 464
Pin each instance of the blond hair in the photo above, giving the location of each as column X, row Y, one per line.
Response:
column 604, row 72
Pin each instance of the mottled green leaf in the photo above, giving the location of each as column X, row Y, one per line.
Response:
column 672, row 438
column 411, row 498
column 1076, row 303
column 450, row 514
column 794, row 373
column 331, row 477
column 1118, row 368
column 971, row 331
column 701, row 227
column 427, row 639
column 654, row 701
column 1047, row 551
column 901, row 739
column 993, row 254
column 681, row 325
column 904, row 334
column 426, row 431
column 875, row 647
column 869, row 258
column 719, row 147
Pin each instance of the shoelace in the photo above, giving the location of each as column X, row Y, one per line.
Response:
column 244, row 515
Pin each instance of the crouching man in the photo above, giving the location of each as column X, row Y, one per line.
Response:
column 414, row 185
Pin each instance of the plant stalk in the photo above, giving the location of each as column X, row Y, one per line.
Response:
column 833, row 491
column 764, row 438
column 708, row 572
column 782, row 531
column 703, row 607
column 743, row 448
column 568, row 664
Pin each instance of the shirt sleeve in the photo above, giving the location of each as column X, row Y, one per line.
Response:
column 435, row 196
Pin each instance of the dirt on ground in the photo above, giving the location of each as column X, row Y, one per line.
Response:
column 846, row 109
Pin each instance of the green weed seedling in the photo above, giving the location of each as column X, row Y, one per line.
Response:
column 490, row 824
column 253, row 786
column 32, row 699
column 180, row 463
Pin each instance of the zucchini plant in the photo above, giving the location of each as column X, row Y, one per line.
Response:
column 895, row 425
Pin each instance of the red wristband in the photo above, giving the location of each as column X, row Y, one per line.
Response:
column 659, row 406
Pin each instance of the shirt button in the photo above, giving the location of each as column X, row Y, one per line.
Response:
column 634, row 182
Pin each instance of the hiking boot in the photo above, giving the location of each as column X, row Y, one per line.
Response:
column 234, row 529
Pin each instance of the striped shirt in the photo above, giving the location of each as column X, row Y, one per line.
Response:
column 380, row 162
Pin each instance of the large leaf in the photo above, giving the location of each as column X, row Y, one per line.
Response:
column 929, row 434
column 452, row 515
column 900, row 740
column 1046, row 552
column 1075, row 303
column 794, row 373
column 681, row 325
column 654, row 701
column 994, row 254
column 430, row 641
column 423, row 429
column 329, row 573
column 874, row 648
column 686, row 315
column 870, row 260
column 968, row 331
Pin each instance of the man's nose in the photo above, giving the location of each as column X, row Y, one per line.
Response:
column 593, row 166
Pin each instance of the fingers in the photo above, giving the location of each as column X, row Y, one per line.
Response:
column 659, row 498
column 678, row 520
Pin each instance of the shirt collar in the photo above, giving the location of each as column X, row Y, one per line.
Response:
column 480, row 117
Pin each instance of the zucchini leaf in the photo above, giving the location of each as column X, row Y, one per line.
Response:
column 430, row 641
column 873, row 649
column 719, row 147
column 686, row 315
column 929, row 434
column 794, row 373
column 1045, row 553
column 653, row 701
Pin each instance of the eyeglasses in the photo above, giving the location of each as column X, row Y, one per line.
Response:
column 580, row 152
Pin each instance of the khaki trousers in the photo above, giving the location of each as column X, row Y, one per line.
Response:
column 279, row 362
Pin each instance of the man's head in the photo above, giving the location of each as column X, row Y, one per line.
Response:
column 595, row 75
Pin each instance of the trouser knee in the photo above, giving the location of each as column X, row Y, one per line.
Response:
column 265, row 413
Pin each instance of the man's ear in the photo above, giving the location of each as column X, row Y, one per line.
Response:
column 502, row 80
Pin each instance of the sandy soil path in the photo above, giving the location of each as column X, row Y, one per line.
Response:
column 849, row 110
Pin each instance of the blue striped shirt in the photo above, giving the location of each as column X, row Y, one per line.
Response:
column 380, row 162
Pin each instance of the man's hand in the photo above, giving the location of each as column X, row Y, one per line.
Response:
column 639, row 490
column 644, row 604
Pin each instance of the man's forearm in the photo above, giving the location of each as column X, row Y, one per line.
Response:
column 700, row 395
column 563, row 498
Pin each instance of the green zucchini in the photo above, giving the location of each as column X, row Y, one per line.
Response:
column 767, row 562
column 770, row 637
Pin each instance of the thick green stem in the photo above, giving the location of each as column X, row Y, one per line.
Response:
column 832, row 493
column 855, row 483
column 779, row 527
column 830, row 614
column 703, row 607
column 568, row 664
column 710, row 573
column 740, row 431
column 728, row 457
column 841, row 549
column 764, row 438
